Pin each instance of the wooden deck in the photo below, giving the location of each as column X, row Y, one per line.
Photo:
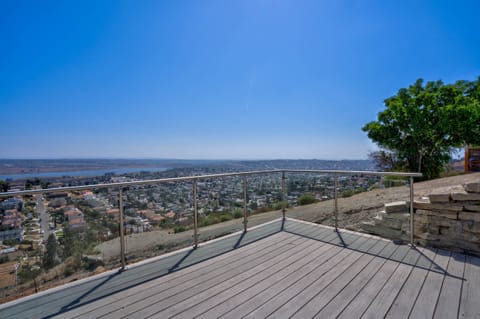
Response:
column 290, row 270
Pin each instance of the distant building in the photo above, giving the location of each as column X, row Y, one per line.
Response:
column 74, row 218
column 12, row 203
column 472, row 159
column 113, row 213
column 11, row 218
column 153, row 218
column 16, row 233
column 58, row 195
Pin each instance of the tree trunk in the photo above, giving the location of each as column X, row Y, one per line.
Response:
column 419, row 162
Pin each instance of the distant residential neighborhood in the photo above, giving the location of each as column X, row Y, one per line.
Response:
column 38, row 232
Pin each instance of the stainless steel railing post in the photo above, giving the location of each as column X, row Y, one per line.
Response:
column 122, row 228
column 195, row 213
column 335, row 192
column 284, row 195
column 245, row 221
column 411, row 211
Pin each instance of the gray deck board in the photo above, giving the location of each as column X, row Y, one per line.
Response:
column 286, row 295
column 103, row 286
column 301, row 270
column 406, row 298
column 427, row 299
column 266, row 277
column 348, row 293
column 319, row 284
column 384, row 287
column 177, row 280
column 469, row 302
column 314, row 305
column 258, row 294
column 171, row 296
column 251, row 274
column 449, row 300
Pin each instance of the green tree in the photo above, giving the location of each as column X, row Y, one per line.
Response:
column 422, row 124
column 306, row 199
column 386, row 160
column 71, row 244
column 50, row 258
column 4, row 186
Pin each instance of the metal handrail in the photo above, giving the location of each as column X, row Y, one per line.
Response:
column 123, row 185
column 191, row 178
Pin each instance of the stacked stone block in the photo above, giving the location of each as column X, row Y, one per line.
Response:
column 450, row 219
column 392, row 222
column 447, row 218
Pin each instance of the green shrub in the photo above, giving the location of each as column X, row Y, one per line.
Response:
column 237, row 213
column 179, row 229
column 306, row 199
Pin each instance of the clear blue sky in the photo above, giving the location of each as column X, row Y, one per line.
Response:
column 243, row 79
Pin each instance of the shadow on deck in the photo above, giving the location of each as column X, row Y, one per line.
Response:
column 293, row 260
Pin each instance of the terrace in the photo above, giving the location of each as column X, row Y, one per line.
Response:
column 282, row 268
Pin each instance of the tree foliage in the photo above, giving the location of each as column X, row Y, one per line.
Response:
column 50, row 259
column 386, row 160
column 4, row 186
column 71, row 243
column 306, row 199
column 422, row 124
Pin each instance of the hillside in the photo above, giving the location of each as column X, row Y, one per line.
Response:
column 352, row 211
column 364, row 206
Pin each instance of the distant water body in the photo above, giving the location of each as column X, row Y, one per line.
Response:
column 87, row 173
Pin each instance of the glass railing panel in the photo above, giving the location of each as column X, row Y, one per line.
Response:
column 157, row 219
column 264, row 200
column 56, row 237
column 49, row 239
column 360, row 203
column 308, row 195
column 22, row 241
column 220, row 207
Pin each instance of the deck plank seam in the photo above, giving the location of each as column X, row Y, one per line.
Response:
column 461, row 288
column 403, row 285
column 343, row 272
column 441, row 286
column 326, row 252
column 366, row 282
column 295, row 282
column 386, row 282
column 286, row 250
column 288, row 272
column 423, row 284
column 324, row 271
column 305, row 251
column 350, row 252
column 126, row 288
column 201, row 270
column 282, row 249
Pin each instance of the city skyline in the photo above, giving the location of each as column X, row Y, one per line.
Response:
column 209, row 80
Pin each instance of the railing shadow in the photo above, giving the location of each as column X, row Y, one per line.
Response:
column 121, row 281
column 421, row 260
column 77, row 301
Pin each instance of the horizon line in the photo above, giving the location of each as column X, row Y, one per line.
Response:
column 181, row 159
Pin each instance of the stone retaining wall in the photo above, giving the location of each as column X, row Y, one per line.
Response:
column 447, row 218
